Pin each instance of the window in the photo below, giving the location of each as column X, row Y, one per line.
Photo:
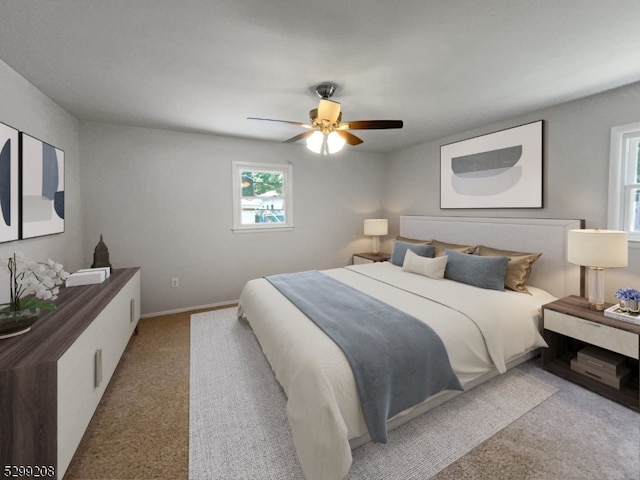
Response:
column 624, row 180
column 262, row 196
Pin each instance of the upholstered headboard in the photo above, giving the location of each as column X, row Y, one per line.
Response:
column 552, row 272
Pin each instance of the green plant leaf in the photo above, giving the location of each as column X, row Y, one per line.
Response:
column 26, row 303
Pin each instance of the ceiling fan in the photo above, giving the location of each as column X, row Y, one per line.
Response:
column 327, row 133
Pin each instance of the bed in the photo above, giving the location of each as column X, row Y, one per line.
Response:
column 485, row 331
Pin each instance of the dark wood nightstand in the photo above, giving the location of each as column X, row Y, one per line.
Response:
column 569, row 326
column 370, row 257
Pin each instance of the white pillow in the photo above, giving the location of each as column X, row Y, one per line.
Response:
column 428, row 267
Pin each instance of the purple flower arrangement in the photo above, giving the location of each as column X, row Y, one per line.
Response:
column 629, row 299
column 628, row 294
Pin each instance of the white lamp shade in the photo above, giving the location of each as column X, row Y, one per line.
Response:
column 325, row 143
column 335, row 142
column 328, row 110
column 315, row 141
column 376, row 226
column 598, row 248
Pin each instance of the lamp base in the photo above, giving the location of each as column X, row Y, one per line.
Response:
column 596, row 288
column 376, row 244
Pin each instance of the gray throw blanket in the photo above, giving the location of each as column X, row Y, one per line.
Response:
column 397, row 360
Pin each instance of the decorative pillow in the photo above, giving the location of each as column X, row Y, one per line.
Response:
column 400, row 249
column 440, row 247
column 519, row 267
column 412, row 240
column 428, row 267
column 483, row 272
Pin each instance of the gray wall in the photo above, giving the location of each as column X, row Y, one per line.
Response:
column 576, row 170
column 163, row 201
column 26, row 109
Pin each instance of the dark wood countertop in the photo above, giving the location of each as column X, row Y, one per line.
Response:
column 56, row 330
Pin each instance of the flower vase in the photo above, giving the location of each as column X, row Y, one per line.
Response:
column 632, row 305
column 17, row 322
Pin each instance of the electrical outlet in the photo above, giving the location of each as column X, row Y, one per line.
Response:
column 175, row 282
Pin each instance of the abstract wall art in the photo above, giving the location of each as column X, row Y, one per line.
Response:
column 498, row 170
column 42, row 188
column 9, row 184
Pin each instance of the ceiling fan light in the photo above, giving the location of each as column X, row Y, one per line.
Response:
column 335, row 142
column 314, row 141
column 328, row 110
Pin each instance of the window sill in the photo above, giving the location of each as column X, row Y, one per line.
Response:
column 261, row 229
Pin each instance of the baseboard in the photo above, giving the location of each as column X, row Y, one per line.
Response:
column 230, row 303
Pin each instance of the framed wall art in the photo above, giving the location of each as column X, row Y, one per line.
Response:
column 42, row 188
column 9, row 184
column 498, row 170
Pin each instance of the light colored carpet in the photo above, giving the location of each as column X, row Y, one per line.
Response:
column 238, row 426
column 141, row 427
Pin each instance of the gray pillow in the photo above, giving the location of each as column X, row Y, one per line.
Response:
column 400, row 250
column 483, row 272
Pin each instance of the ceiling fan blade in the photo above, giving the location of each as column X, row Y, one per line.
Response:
column 350, row 138
column 298, row 137
column 373, row 124
column 328, row 110
column 300, row 124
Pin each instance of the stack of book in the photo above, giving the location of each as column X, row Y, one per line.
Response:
column 88, row 276
column 602, row 365
column 618, row 313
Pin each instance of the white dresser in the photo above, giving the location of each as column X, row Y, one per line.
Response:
column 53, row 377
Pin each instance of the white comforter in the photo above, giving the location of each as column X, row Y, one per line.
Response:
column 481, row 329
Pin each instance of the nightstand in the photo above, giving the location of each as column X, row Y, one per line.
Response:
column 370, row 257
column 569, row 326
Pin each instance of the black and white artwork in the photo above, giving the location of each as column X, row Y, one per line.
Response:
column 498, row 170
column 9, row 188
column 42, row 188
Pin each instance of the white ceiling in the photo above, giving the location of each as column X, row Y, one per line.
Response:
column 442, row 66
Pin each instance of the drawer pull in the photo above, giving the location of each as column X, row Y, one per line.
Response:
column 592, row 374
column 601, row 365
column 98, row 368
column 591, row 324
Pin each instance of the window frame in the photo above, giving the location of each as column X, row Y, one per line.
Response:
column 620, row 197
column 237, row 167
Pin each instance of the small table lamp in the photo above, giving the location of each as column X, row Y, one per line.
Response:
column 376, row 227
column 597, row 250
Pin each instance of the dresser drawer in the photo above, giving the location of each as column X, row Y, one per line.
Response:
column 77, row 395
column 603, row 336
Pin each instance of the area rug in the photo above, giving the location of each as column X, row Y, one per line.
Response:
column 238, row 426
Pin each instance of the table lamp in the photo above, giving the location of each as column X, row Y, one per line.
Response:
column 597, row 249
column 376, row 227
